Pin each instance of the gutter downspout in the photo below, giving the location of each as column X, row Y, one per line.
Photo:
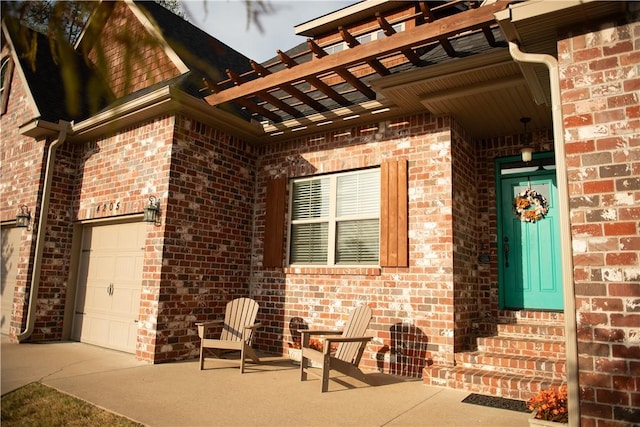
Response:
column 42, row 223
column 568, row 287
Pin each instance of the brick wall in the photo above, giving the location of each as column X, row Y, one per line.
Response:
column 412, row 307
column 600, row 96
column 464, row 216
column 207, row 234
column 116, row 175
column 21, row 160
column 143, row 63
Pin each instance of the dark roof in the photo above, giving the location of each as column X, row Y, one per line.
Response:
column 203, row 54
column 55, row 97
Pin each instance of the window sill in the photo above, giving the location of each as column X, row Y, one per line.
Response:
column 335, row 271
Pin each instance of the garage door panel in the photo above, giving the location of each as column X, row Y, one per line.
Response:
column 11, row 240
column 121, row 336
column 97, row 300
column 108, row 300
column 101, row 267
column 123, row 301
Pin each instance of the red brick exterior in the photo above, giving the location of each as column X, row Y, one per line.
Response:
column 600, row 97
column 146, row 63
column 413, row 311
column 208, row 245
column 22, row 159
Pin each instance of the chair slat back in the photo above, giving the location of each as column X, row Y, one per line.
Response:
column 356, row 326
column 239, row 313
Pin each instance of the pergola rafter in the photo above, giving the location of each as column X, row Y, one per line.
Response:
column 315, row 84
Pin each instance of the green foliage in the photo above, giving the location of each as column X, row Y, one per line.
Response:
column 63, row 20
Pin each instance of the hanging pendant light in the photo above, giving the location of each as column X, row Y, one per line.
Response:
column 525, row 138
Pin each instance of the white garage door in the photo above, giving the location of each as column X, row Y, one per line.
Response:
column 11, row 238
column 109, row 285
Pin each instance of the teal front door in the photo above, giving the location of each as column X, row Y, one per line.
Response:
column 530, row 269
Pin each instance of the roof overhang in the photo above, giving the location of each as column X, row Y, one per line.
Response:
column 166, row 100
column 347, row 15
column 39, row 129
column 537, row 25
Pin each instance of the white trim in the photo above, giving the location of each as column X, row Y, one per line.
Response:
column 566, row 249
column 346, row 12
column 17, row 67
column 153, row 30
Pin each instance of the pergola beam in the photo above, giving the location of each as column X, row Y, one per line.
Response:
column 449, row 26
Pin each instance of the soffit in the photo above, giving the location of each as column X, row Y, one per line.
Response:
column 537, row 25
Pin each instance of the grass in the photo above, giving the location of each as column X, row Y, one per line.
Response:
column 38, row 405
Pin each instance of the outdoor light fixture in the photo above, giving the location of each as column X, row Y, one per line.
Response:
column 152, row 211
column 527, row 151
column 23, row 217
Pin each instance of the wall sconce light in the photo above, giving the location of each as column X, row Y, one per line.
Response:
column 527, row 150
column 23, row 217
column 152, row 211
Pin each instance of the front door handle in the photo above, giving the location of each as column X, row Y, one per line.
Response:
column 505, row 249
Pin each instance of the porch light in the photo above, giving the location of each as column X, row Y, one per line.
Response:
column 152, row 211
column 527, row 150
column 527, row 154
column 23, row 217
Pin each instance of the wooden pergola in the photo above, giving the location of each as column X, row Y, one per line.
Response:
column 314, row 87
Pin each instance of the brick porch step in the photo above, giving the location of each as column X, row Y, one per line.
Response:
column 512, row 386
column 512, row 364
column 529, row 330
column 521, row 346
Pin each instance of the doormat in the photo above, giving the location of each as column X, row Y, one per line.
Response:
column 497, row 402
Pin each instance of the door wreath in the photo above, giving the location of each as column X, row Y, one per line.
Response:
column 530, row 206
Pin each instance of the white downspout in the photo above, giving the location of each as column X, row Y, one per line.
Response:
column 40, row 233
column 568, row 287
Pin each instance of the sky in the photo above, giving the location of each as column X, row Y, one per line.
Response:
column 226, row 20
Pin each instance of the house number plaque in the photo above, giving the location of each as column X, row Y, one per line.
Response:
column 108, row 206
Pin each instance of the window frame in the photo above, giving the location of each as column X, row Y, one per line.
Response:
column 6, row 65
column 332, row 219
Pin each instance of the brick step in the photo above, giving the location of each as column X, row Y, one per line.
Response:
column 551, row 368
column 491, row 383
column 531, row 330
column 522, row 346
column 523, row 316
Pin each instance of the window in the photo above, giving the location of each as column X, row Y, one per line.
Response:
column 6, row 67
column 349, row 235
column 335, row 219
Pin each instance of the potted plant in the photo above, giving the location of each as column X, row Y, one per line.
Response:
column 549, row 407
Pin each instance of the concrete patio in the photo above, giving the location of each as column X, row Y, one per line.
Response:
column 270, row 394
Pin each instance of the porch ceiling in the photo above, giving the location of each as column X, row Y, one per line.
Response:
column 454, row 61
column 487, row 95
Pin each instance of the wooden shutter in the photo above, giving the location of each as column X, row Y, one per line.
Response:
column 274, row 222
column 394, row 241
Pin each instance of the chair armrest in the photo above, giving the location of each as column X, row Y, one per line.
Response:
column 348, row 339
column 254, row 326
column 323, row 332
column 330, row 340
column 203, row 327
column 210, row 323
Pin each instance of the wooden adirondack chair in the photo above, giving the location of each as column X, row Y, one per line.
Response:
column 351, row 344
column 236, row 331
